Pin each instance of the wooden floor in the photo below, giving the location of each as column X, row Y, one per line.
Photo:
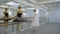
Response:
column 48, row 28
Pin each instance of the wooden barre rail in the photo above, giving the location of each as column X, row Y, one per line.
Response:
column 3, row 24
column 10, row 23
column 5, row 18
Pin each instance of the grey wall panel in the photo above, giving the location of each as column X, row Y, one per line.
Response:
column 54, row 16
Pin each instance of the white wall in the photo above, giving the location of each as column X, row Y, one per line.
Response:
column 54, row 16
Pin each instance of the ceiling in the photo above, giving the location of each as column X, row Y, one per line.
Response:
column 41, row 4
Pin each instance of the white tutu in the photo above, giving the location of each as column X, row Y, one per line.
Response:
column 35, row 22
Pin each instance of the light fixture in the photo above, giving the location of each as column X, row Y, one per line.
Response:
column 43, row 6
column 12, row 3
column 31, row 8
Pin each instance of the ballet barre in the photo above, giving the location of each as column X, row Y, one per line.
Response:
column 12, row 23
column 6, row 18
column 5, row 24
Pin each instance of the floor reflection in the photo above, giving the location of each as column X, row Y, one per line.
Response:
column 47, row 28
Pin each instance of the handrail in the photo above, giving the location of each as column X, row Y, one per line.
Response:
column 10, row 23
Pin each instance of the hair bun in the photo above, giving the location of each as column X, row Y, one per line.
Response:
column 19, row 6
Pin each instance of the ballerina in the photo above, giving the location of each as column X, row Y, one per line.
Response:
column 35, row 22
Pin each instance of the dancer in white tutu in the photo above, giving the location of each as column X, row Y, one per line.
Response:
column 35, row 22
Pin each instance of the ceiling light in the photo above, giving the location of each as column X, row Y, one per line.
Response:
column 12, row 3
column 31, row 8
column 44, row 6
